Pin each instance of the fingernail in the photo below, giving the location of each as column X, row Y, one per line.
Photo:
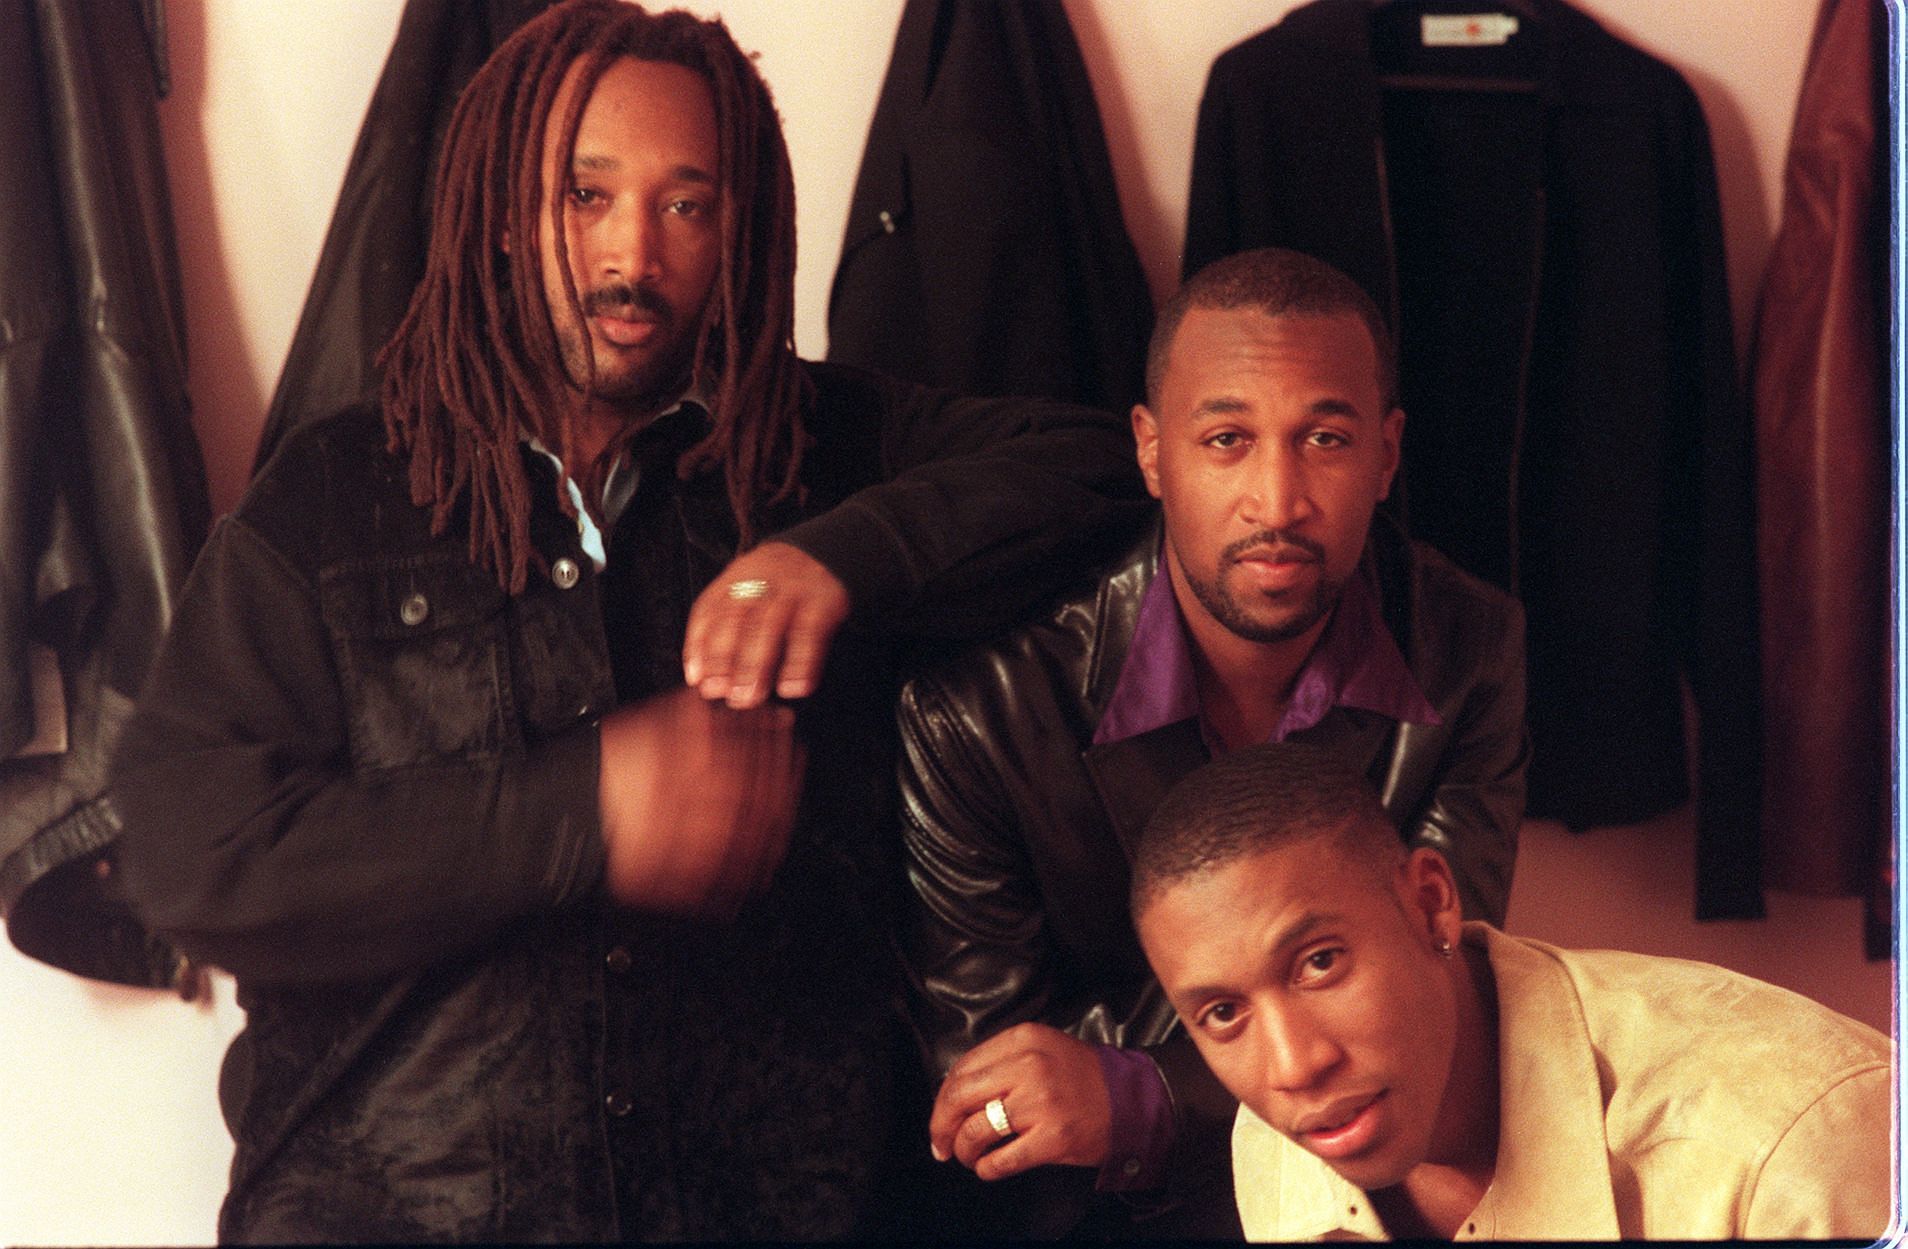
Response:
column 691, row 671
column 940, row 1155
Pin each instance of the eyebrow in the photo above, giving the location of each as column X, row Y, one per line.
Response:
column 1226, row 405
column 1223, row 405
column 595, row 162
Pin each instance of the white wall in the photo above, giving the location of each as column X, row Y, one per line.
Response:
column 108, row 1126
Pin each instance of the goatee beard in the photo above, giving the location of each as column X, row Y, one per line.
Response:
column 1223, row 607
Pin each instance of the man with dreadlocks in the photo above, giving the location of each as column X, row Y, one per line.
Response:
column 461, row 758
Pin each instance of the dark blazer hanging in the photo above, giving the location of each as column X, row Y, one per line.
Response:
column 102, row 490
column 1575, row 433
column 985, row 251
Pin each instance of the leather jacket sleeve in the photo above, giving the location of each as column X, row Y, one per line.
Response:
column 977, row 941
column 1472, row 781
column 258, row 843
column 975, row 938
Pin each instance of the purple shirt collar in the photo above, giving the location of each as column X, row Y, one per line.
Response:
column 1355, row 664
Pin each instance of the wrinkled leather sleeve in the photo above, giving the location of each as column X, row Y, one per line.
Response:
column 977, row 942
column 1474, row 779
column 1829, row 1175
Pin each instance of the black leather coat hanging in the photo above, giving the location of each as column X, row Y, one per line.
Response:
column 102, row 491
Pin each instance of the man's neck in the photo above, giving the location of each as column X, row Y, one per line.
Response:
column 1244, row 686
column 1439, row 1194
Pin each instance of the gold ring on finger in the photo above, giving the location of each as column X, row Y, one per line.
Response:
column 996, row 1111
column 748, row 589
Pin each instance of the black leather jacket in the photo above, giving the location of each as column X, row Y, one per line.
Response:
column 363, row 779
column 102, row 491
column 1017, row 830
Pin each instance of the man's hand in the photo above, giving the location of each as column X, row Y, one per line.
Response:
column 1052, row 1089
column 764, row 623
column 697, row 801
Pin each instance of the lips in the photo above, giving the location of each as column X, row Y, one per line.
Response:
column 1344, row 1128
column 631, row 331
column 1275, row 568
column 1282, row 553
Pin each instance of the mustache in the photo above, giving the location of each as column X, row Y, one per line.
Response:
column 1282, row 542
column 625, row 300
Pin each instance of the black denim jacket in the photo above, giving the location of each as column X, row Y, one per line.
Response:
column 363, row 779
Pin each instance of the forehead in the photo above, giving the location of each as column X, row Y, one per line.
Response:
column 638, row 111
column 1300, row 355
column 1220, row 925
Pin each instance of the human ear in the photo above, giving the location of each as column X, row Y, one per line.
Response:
column 1430, row 895
column 1391, row 429
column 1146, row 443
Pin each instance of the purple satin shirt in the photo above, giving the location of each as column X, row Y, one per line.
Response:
column 1355, row 664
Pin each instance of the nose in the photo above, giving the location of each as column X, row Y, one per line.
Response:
column 1296, row 1054
column 626, row 243
column 1278, row 491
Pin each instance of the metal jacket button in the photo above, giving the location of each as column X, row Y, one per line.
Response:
column 414, row 608
column 617, row 960
column 618, row 1104
column 565, row 573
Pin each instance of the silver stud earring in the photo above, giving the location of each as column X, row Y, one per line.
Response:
column 1444, row 948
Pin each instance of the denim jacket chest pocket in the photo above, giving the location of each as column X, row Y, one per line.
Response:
column 422, row 649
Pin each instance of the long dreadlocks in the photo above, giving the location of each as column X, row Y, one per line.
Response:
column 475, row 367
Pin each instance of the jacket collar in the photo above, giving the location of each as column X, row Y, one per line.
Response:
column 1132, row 774
column 1573, row 42
column 1553, row 1177
column 1356, row 663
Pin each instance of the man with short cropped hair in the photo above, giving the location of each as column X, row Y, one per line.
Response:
column 1405, row 1073
column 1273, row 603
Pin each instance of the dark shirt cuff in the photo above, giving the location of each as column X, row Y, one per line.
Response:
column 1142, row 1129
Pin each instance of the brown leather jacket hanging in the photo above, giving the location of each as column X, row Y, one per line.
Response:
column 1820, row 387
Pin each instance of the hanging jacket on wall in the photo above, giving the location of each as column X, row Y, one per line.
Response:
column 1820, row 388
column 380, row 230
column 985, row 251
column 102, row 490
column 1548, row 244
